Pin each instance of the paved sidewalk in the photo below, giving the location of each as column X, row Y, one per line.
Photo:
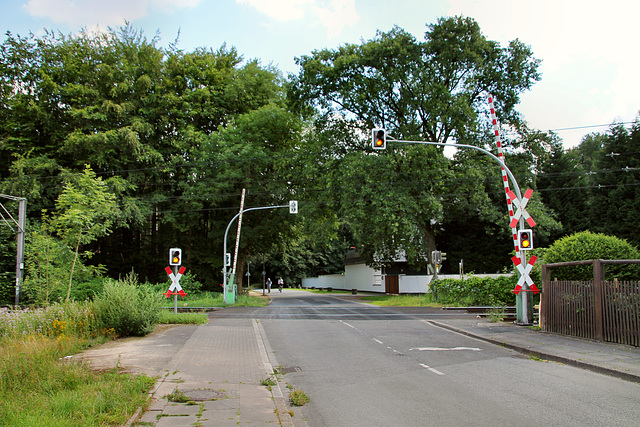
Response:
column 218, row 373
column 617, row 360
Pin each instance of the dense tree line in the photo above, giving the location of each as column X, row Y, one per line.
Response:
column 166, row 140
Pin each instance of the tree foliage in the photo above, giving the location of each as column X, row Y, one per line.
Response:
column 433, row 90
column 174, row 136
column 595, row 186
column 124, row 149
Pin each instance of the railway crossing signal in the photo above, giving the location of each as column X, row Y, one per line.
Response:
column 525, row 240
column 175, row 256
column 379, row 139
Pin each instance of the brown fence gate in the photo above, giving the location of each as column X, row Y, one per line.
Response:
column 598, row 309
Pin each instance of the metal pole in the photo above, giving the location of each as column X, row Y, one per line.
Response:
column 488, row 153
column 224, row 247
column 22, row 215
column 175, row 293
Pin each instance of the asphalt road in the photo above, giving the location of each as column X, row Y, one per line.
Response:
column 369, row 366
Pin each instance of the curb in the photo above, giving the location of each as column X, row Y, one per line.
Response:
column 278, row 396
column 542, row 355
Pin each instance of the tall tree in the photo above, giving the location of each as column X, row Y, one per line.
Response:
column 616, row 190
column 433, row 90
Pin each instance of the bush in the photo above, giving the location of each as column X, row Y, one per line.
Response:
column 483, row 291
column 586, row 245
column 127, row 309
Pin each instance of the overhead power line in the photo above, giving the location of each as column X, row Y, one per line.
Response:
column 589, row 126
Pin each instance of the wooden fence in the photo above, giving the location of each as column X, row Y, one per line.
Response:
column 598, row 309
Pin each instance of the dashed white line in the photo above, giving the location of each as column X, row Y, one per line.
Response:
column 435, row 371
column 378, row 341
column 351, row 326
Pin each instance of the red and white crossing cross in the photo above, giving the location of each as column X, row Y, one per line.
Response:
column 520, row 210
column 524, row 275
column 175, row 287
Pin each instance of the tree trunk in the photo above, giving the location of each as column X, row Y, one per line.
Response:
column 73, row 265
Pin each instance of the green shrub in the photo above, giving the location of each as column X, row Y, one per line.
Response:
column 127, row 309
column 483, row 291
column 586, row 245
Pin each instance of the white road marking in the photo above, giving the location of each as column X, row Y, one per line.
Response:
column 351, row 326
column 378, row 341
column 435, row 371
column 446, row 349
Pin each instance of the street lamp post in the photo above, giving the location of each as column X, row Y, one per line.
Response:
column 522, row 309
column 230, row 297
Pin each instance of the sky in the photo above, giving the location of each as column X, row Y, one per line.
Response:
column 588, row 49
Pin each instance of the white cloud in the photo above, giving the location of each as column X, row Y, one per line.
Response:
column 91, row 12
column 279, row 10
column 339, row 14
column 588, row 65
column 334, row 15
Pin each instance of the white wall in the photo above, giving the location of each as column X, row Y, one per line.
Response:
column 414, row 284
column 363, row 278
column 336, row 281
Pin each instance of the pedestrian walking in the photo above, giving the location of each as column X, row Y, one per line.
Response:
column 280, row 284
column 269, row 284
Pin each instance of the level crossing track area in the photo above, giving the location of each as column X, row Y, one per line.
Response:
column 350, row 312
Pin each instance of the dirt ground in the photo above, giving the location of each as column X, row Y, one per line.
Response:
column 147, row 355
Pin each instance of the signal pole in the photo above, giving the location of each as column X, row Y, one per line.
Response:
column 230, row 295
column 521, row 301
column 20, row 223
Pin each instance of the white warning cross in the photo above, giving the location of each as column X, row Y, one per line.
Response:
column 175, row 287
column 524, row 275
column 520, row 206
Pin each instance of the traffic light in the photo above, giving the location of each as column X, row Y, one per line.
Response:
column 379, row 139
column 525, row 240
column 175, row 256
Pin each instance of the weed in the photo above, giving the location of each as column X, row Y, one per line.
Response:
column 536, row 358
column 298, row 398
column 177, row 396
column 269, row 382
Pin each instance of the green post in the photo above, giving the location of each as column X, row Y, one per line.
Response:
column 230, row 289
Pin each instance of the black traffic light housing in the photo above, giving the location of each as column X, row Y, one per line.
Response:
column 175, row 256
column 379, row 139
column 525, row 240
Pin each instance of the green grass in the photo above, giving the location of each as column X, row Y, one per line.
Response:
column 401, row 300
column 40, row 386
column 215, row 299
column 183, row 318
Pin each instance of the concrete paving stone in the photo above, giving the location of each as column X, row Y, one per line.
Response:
column 222, row 405
column 180, row 409
column 150, row 417
column 219, row 423
column 157, row 404
column 177, row 421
